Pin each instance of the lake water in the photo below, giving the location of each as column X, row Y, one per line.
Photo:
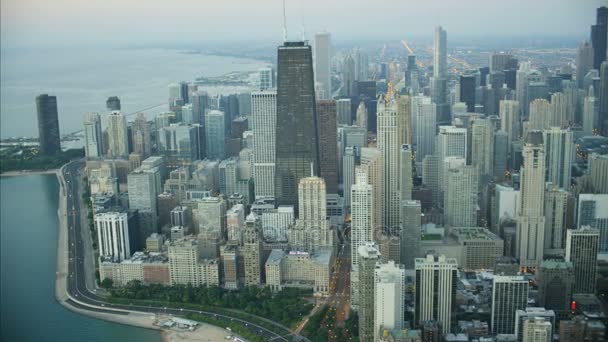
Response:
column 82, row 80
column 28, row 250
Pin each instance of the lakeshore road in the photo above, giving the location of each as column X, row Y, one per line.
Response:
column 83, row 297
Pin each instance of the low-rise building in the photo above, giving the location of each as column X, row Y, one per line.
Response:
column 148, row 268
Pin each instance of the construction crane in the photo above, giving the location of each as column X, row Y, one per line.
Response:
column 407, row 47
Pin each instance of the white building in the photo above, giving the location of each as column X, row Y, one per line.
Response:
column 389, row 296
column 389, row 142
column 440, row 59
column 509, row 294
column 235, row 223
column 263, row 125
column 93, row 136
column 509, row 114
column 559, row 153
column 322, row 64
column 276, row 222
column 117, row 135
column 113, row 235
column 424, row 118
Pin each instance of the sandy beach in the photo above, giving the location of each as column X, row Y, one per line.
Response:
column 27, row 172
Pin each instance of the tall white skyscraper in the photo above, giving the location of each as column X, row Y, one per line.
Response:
column 482, row 146
column 460, row 198
column 389, row 142
column 117, row 135
column 93, row 136
column 362, row 216
column 235, row 223
column 424, row 118
column 436, row 281
column 531, row 219
column 371, row 167
column 451, row 142
column 509, row 120
column 509, row 294
column 263, row 124
column 559, row 153
column 312, row 203
column 215, row 134
column 440, row 57
column 322, row 64
column 582, row 247
column 389, row 289
column 113, row 235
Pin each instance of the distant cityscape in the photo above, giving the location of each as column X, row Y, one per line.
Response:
column 421, row 193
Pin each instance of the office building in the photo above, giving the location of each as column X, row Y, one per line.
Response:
column 603, row 98
column 296, row 128
column 581, row 329
column 252, row 250
column 440, row 60
column 328, row 146
column 322, row 64
column 424, row 118
column 266, row 76
column 312, row 228
column 584, row 62
column 93, row 136
column 582, row 248
column 509, row 112
column 143, row 198
column 522, row 317
column 559, row 153
column 362, row 216
column 411, row 219
column 540, row 115
column 389, row 293
column 509, row 294
column 299, row 269
column 215, row 134
column 348, row 172
column 389, row 142
column 235, row 223
column 598, row 172
column 467, row 85
column 48, row 124
column 371, row 167
column 531, row 219
column 436, row 280
column 460, row 198
column 368, row 257
column 179, row 144
column 599, row 38
column 537, row 330
column 501, row 150
column 361, row 116
column 482, row 146
column 556, row 219
column 113, row 235
column 209, row 216
column 555, row 286
column 451, row 142
column 140, row 136
column 343, row 109
column 263, row 124
column 590, row 113
column 117, row 135
column 406, row 180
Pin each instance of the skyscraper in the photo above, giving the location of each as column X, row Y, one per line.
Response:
column 451, row 142
column 113, row 235
column 389, row 292
column 424, row 118
column 555, row 285
column 362, row 217
column 509, row 120
column 215, row 134
column 598, row 172
column 411, row 218
column 406, row 180
column 590, row 113
column 117, row 135
column 531, row 219
column 509, row 294
column 142, row 140
column 328, row 143
column 348, row 173
column 322, row 59
column 263, row 122
column 296, row 128
column 48, row 124
column 389, row 142
column 113, row 103
column 143, row 198
column 559, row 153
column 599, row 38
column 584, row 62
column 460, row 198
column 582, row 247
column 93, row 136
column 312, row 221
column 343, row 109
column 467, row 91
column 436, row 280
column 603, row 108
column 266, row 78
column 482, row 146
column 556, row 216
column 439, row 52
column 252, row 251
column 371, row 166
column 368, row 255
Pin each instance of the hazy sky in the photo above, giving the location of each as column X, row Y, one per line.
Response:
column 33, row 22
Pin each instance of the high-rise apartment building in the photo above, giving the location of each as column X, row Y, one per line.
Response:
column 328, row 145
column 582, row 247
column 540, row 114
column 556, row 218
column 252, row 250
column 389, row 142
column 531, row 219
column 117, row 135
column 482, row 146
column 362, row 216
column 509, row 112
column 534, row 315
column 348, row 172
column 48, row 124
column 93, row 136
column 537, row 329
column 436, row 280
column 509, row 294
column 559, row 153
column 371, row 166
column 322, row 64
column 598, row 172
column 296, row 128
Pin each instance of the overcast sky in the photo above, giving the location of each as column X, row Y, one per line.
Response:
column 50, row 22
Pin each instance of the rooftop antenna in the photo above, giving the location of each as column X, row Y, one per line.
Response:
column 284, row 24
column 302, row 18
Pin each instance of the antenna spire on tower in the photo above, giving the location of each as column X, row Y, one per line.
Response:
column 284, row 24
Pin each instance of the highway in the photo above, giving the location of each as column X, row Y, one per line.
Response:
column 82, row 297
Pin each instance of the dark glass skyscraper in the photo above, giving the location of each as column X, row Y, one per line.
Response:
column 297, row 131
column 113, row 103
column 467, row 91
column 328, row 147
column 48, row 124
column 599, row 32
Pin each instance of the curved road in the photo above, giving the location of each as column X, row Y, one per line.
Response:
column 83, row 296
